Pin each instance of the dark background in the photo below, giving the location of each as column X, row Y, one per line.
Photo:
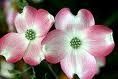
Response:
column 104, row 12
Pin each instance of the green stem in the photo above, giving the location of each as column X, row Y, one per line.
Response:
column 50, row 68
column 18, row 72
column 34, row 74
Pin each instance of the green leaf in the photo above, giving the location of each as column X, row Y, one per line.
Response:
column 21, row 3
column 14, row 71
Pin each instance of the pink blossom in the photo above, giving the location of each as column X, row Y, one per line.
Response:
column 10, row 13
column 32, row 26
column 78, row 44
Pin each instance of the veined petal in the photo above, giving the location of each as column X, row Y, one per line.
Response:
column 54, row 46
column 20, row 23
column 65, row 18
column 100, row 40
column 25, row 19
column 86, row 18
column 81, row 63
column 43, row 22
column 29, row 13
column 13, row 46
column 33, row 54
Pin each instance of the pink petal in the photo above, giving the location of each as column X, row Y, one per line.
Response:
column 25, row 19
column 10, row 19
column 20, row 23
column 43, row 21
column 100, row 40
column 65, row 18
column 10, row 13
column 100, row 61
column 86, row 18
column 33, row 54
column 54, row 46
column 29, row 13
column 81, row 63
column 13, row 46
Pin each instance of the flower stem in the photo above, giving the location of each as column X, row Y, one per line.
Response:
column 18, row 72
column 50, row 68
column 34, row 74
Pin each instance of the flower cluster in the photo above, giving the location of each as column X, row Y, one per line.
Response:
column 77, row 43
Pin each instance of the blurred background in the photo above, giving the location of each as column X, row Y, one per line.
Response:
column 104, row 12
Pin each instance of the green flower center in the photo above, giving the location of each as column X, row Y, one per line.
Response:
column 30, row 34
column 75, row 43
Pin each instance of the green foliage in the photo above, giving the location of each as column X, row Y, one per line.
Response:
column 21, row 3
column 3, row 25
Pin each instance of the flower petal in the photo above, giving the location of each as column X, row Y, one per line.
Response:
column 65, row 18
column 43, row 21
column 13, row 46
column 86, row 18
column 10, row 16
column 34, row 55
column 29, row 14
column 100, row 61
column 81, row 63
column 100, row 40
column 25, row 19
column 10, row 13
column 54, row 46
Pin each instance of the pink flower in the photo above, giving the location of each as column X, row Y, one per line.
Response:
column 10, row 13
column 77, row 43
column 32, row 26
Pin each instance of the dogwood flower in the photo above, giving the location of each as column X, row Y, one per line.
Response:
column 32, row 26
column 77, row 43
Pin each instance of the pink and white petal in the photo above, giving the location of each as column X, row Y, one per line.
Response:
column 29, row 13
column 34, row 55
column 65, row 18
column 100, row 40
column 11, row 14
column 81, row 63
column 13, row 46
column 25, row 20
column 86, row 18
column 20, row 23
column 43, row 22
column 54, row 46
